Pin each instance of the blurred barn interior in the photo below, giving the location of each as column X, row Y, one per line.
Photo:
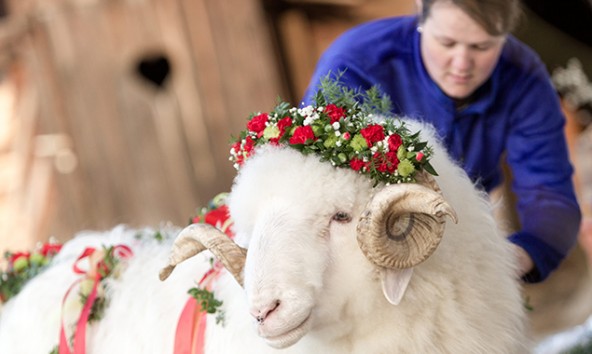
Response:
column 121, row 111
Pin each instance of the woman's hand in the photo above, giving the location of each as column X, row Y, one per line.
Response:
column 525, row 263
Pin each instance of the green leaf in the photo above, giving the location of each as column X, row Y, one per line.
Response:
column 206, row 299
column 420, row 146
column 429, row 168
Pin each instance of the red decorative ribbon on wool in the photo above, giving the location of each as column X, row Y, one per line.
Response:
column 191, row 327
column 98, row 270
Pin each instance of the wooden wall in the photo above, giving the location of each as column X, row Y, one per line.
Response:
column 120, row 111
column 94, row 142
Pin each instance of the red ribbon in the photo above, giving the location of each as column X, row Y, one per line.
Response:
column 191, row 327
column 96, row 272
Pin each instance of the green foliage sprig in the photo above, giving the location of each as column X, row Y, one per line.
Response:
column 23, row 266
column 208, row 302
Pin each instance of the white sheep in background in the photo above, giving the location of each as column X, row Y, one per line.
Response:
column 308, row 285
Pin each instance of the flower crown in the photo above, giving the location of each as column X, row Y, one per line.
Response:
column 341, row 128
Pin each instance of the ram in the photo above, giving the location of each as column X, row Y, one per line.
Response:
column 324, row 259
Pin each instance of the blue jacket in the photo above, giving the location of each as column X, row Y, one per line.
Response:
column 516, row 112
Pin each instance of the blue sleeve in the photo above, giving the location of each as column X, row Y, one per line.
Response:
column 542, row 177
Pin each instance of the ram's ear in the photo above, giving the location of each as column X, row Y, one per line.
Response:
column 394, row 283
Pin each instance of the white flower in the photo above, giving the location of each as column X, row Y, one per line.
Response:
column 306, row 111
column 338, row 143
column 336, row 125
column 411, row 148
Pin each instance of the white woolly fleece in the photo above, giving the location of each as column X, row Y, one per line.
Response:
column 464, row 299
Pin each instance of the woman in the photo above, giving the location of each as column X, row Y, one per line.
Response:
column 456, row 66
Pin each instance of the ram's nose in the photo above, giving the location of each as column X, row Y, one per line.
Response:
column 262, row 312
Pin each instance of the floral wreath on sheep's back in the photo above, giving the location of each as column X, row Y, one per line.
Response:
column 342, row 128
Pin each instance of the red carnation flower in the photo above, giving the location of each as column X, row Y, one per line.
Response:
column 50, row 249
column 215, row 216
column 18, row 255
column 394, row 141
column 249, row 144
column 419, row 156
column 282, row 124
column 302, row 135
column 237, row 147
column 357, row 164
column 372, row 134
column 386, row 162
column 257, row 123
column 392, row 160
column 243, row 149
column 334, row 112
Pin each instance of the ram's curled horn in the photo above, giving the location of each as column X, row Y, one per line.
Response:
column 196, row 238
column 403, row 224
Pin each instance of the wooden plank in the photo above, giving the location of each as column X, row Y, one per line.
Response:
column 191, row 101
column 69, row 211
column 234, row 67
column 296, row 38
column 206, row 72
column 145, row 155
column 249, row 73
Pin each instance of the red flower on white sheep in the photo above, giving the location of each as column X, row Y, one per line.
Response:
column 18, row 257
column 334, row 112
column 282, row 125
column 357, row 164
column 394, row 141
column 373, row 133
column 386, row 162
column 302, row 135
column 258, row 123
column 50, row 249
column 419, row 156
column 344, row 134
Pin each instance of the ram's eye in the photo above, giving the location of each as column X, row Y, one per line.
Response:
column 342, row 217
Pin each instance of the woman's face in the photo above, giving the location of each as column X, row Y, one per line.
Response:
column 457, row 52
